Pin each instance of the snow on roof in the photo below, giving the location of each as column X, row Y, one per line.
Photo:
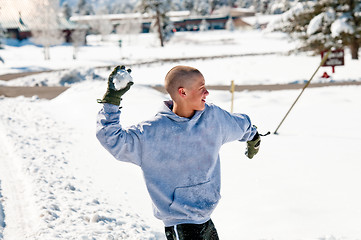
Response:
column 22, row 15
column 259, row 19
column 12, row 15
column 123, row 16
column 126, row 16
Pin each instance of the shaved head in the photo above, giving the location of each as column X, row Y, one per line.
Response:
column 180, row 76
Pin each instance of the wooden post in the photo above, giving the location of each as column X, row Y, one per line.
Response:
column 232, row 92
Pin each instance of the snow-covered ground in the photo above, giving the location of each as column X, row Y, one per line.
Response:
column 259, row 69
column 57, row 182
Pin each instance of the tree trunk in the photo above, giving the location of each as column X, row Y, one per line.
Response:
column 354, row 47
column 75, row 50
column 160, row 29
column 46, row 53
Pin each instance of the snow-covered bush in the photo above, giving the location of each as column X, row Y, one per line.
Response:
column 75, row 76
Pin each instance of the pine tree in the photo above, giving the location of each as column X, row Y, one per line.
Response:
column 66, row 10
column 202, row 7
column 84, row 8
column 324, row 24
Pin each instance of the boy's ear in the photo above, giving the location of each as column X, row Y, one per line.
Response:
column 181, row 92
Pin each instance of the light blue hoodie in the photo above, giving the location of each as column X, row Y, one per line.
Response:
column 178, row 156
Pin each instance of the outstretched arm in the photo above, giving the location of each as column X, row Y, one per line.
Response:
column 253, row 146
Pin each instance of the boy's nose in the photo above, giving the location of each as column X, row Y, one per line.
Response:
column 206, row 93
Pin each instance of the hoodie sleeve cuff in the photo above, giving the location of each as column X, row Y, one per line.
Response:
column 109, row 108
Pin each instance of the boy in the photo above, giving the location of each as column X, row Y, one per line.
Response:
column 177, row 150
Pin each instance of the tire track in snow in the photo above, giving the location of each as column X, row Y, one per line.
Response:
column 16, row 207
column 56, row 203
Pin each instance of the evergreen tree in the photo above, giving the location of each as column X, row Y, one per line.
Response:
column 66, row 10
column 324, row 24
column 202, row 7
column 188, row 5
column 84, row 8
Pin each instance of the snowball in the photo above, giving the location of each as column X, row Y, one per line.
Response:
column 121, row 79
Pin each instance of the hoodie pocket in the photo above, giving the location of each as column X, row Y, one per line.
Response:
column 195, row 201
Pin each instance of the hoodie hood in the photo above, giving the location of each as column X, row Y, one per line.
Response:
column 166, row 110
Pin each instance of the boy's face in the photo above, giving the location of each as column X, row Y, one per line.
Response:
column 196, row 94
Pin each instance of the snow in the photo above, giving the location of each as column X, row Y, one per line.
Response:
column 278, row 20
column 121, row 79
column 341, row 26
column 315, row 24
column 58, row 182
column 251, row 51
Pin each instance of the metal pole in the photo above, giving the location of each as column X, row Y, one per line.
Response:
column 232, row 91
column 306, row 85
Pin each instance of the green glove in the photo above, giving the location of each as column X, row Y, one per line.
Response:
column 119, row 82
column 253, row 146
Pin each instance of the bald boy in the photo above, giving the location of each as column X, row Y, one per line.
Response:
column 177, row 150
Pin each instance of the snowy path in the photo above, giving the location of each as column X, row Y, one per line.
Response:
column 44, row 196
column 16, row 193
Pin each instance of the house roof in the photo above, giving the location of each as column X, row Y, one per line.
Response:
column 11, row 15
column 24, row 16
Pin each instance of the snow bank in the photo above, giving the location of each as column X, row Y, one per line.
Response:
column 140, row 48
column 61, row 205
column 57, row 78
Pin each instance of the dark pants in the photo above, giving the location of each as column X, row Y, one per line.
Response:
column 205, row 231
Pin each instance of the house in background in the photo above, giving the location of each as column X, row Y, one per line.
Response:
column 182, row 20
column 19, row 18
column 13, row 24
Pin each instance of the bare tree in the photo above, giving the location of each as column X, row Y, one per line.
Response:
column 2, row 36
column 229, row 24
column 159, row 8
column 204, row 26
column 46, row 30
column 77, row 39
column 101, row 26
column 129, row 27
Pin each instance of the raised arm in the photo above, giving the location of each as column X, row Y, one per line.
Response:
column 123, row 144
